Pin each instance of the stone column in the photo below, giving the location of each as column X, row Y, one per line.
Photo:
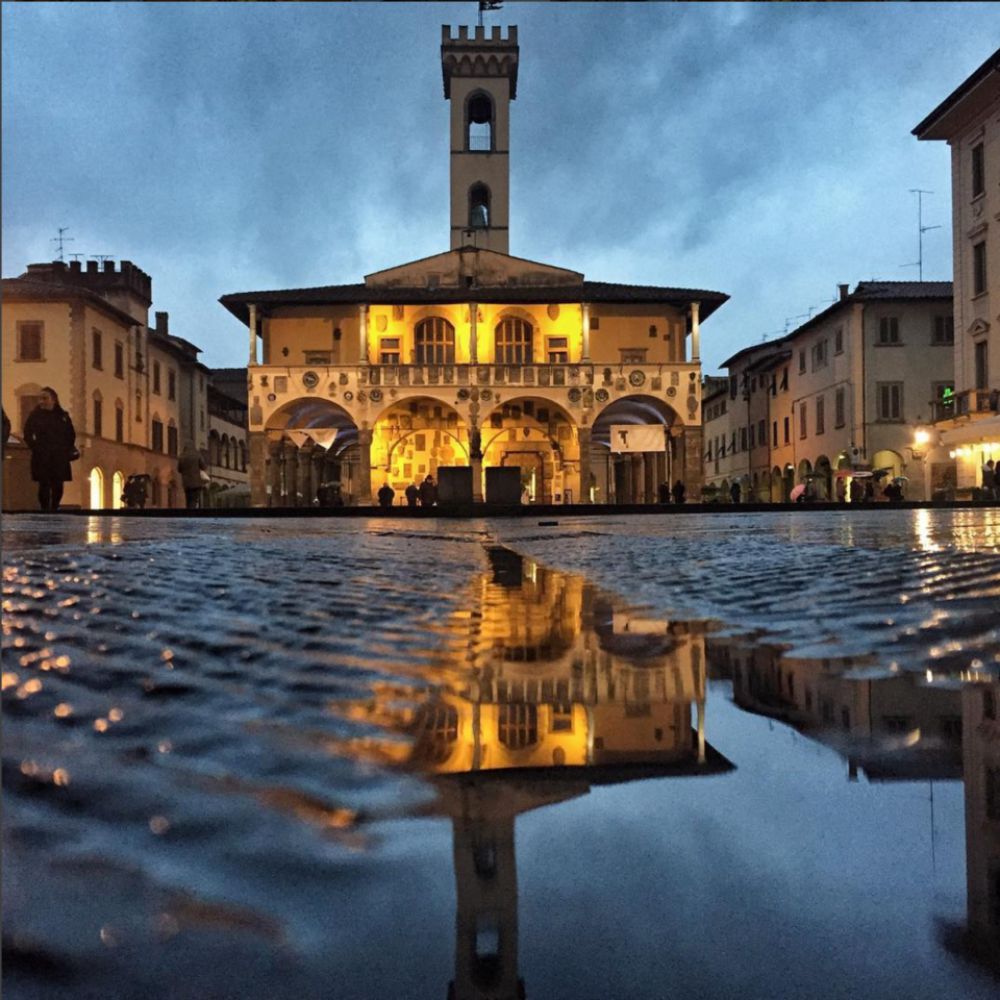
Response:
column 253, row 333
column 363, row 333
column 583, row 439
column 635, row 476
column 304, row 458
column 473, row 336
column 694, row 470
column 649, row 477
column 291, row 475
column 364, row 484
column 277, row 451
column 260, row 468
column 585, row 331
column 476, row 463
column 695, row 333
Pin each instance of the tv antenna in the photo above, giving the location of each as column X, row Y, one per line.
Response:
column 61, row 239
column 102, row 257
column 921, row 229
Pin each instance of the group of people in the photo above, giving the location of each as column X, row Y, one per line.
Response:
column 424, row 494
column 667, row 493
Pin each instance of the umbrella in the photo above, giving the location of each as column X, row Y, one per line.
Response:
column 797, row 491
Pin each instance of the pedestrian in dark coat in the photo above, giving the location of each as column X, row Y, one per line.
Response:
column 50, row 435
column 412, row 495
column 428, row 492
column 386, row 495
column 678, row 492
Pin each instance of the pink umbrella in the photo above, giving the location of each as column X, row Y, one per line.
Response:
column 797, row 491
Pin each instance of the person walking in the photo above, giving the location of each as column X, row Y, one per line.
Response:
column 841, row 490
column 412, row 494
column 50, row 435
column 428, row 492
column 193, row 474
column 734, row 492
column 386, row 495
column 989, row 480
column 857, row 491
column 678, row 491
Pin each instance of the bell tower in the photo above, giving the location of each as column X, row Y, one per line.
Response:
column 480, row 81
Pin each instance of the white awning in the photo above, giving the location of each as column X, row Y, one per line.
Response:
column 985, row 431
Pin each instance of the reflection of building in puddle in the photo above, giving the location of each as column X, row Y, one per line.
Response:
column 890, row 724
column 980, row 938
column 547, row 688
column 894, row 727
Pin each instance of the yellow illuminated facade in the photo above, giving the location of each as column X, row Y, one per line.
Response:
column 473, row 358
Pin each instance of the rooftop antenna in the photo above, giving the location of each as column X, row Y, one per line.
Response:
column 75, row 256
column 102, row 257
column 921, row 229
column 488, row 5
column 61, row 239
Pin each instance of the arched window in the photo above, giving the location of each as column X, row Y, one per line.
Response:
column 479, row 123
column 213, row 448
column 434, row 340
column 225, row 452
column 513, row 342
column 117, row 486
column 518, row 726
column 243, row 456
column 479, row 206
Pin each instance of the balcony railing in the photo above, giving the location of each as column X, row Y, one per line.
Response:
column 964, row 404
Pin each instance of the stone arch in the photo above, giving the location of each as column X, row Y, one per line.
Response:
column 777, row 486
column 889, row 460
column 480, row 121
column 542, row 438
column 636, row 477
column 214, row 448
column 824, row 478
column 480, row 205
column 413, row 437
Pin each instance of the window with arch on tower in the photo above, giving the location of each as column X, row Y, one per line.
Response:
column 513, row 342
column 479, row 124
column 479, row 206
column 434, row 342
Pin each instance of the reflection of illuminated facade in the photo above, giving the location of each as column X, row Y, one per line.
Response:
column 548, row 689
column 474, row 358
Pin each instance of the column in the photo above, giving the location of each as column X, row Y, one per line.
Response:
column 363, row 333
column 306, row 488
column 290, row 498
column 695, row 333
column 260, row 468
column 649, row 477
column 585, row 331
column 583, row 438
column 476, row 463
column 473, row 339
column 253, row 333
column 691, row 463
column 635, row 476
column 364, row 483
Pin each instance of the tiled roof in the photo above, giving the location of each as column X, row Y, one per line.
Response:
column 585, row 291
column 902, row 290
column 931, row 126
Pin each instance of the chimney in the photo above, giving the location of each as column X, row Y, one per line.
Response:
column 844, row 291
column 162, row 323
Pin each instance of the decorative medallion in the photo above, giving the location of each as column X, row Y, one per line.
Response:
column 463, row 394
column 310, row 380
column 485, row 394
column 375, row 395
column 348, row 396
column 271, row 397
column 362, row 396
column 671, row 392
column 602, row 395
column 636, row 378
column 574, row 395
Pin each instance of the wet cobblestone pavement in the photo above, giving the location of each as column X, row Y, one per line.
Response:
column 287, row 758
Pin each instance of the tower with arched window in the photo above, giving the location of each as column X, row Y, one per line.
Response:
column 480, row 81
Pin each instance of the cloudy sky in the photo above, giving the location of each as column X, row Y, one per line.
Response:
column 762, row 150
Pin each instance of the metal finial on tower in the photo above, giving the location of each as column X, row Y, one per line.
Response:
column 61, row 239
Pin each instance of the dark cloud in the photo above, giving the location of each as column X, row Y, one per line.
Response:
column 760, row 149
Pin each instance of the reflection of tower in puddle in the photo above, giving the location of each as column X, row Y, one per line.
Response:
column 545, row 689
column 559, row 690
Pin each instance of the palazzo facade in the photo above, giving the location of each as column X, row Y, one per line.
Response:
column 474, row 357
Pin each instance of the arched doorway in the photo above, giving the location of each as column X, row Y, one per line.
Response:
column 540, row 438
column 824, row 478
column 414, row 438
column 777, row 486
column 96, row 489
column 635, row 477
column 117, row 486
column 314, row 456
